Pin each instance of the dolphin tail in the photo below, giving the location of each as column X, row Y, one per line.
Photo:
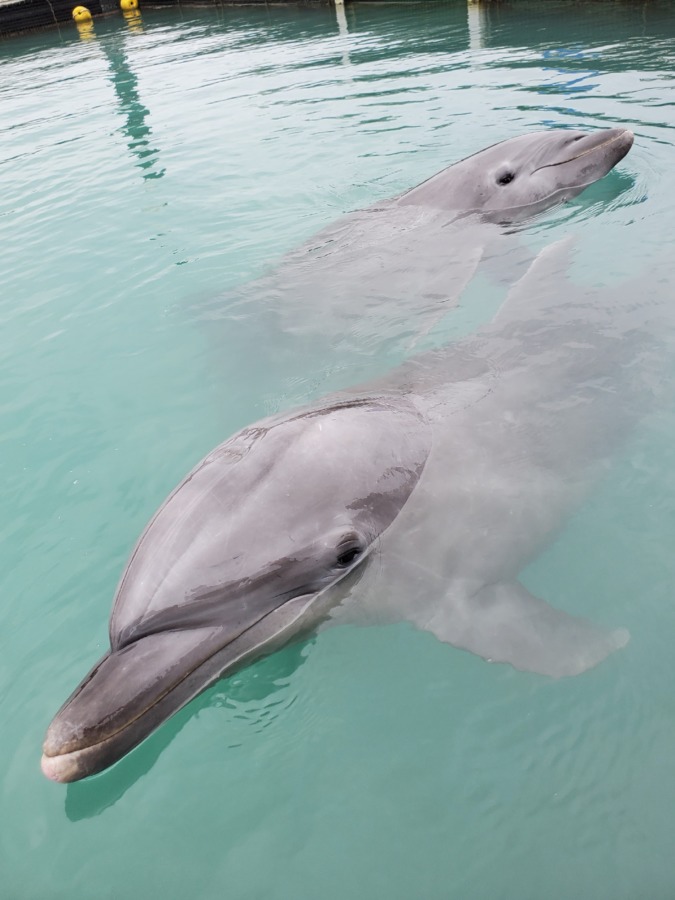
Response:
column 505, row 623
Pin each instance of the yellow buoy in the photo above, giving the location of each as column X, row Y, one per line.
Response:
column 127, row 5
column 81, row 14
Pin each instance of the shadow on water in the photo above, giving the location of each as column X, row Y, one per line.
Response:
column 252, row 685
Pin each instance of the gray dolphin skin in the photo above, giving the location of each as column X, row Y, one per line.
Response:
column 524, row 175
column 414, row 254
column 419, row 497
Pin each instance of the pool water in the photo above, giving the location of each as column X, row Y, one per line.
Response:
column 148, row 171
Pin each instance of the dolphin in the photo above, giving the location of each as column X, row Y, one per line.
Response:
column 419, row 497
column 403, row 262
column 517, row 178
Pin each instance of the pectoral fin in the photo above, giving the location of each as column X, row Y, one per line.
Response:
column 440, row 288
column 505, row 623
column 546, row 279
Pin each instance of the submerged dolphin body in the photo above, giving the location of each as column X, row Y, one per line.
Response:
column 401, row 263
column 418, row 498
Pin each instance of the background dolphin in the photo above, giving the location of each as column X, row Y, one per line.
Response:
column 407, row 260
column 420, row 497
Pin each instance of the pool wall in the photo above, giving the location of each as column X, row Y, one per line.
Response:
column 24, row 15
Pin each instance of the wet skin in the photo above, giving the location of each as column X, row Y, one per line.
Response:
column 366, row 507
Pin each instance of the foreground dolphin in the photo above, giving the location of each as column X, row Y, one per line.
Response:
column 404, row 261
column 420, row 498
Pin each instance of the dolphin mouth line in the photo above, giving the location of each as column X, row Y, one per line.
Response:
column 139, row 715
column 78, row 752
column 607, row 143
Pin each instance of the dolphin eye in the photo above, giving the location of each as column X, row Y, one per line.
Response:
column 347, row 558
column 506, row 178
column 348, row 551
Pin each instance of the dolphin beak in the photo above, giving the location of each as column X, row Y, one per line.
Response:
column 133, row 690
column 125, row 696
column 616, row 142
column 612, row 143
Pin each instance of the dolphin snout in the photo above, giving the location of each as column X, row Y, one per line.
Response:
column 125, row 697
column 615, row 142
column 59, row 768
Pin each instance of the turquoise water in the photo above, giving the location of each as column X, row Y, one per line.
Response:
column 147, row 172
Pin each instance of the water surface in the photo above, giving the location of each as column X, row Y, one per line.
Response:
column 145, row 174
